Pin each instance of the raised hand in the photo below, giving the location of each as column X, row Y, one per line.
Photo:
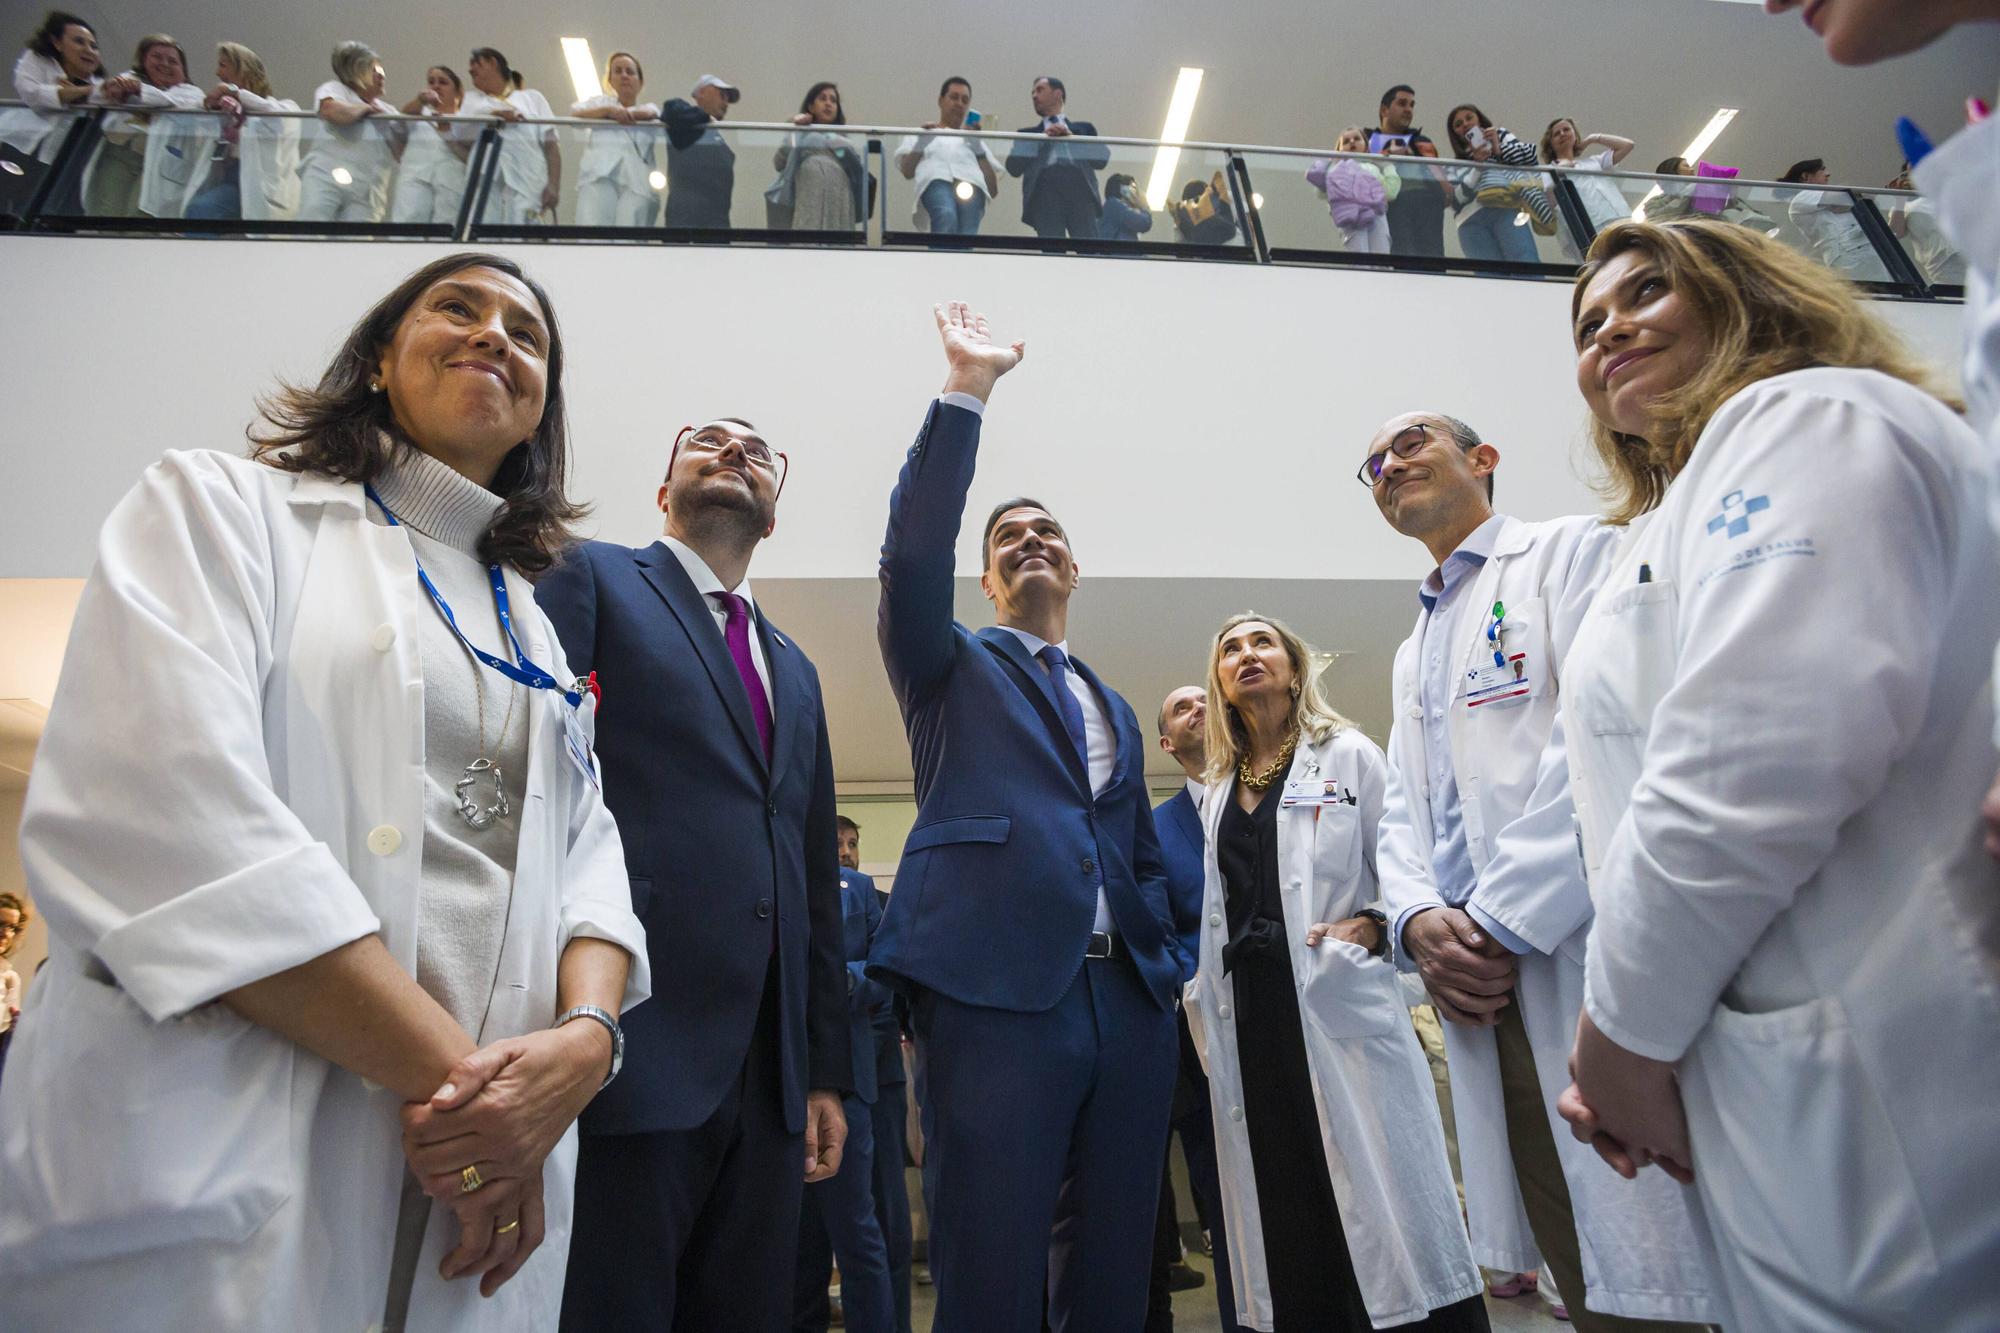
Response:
column 975, row 360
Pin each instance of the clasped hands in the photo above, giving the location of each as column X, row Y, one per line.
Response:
column 1626, row 1106
column 501, row 1111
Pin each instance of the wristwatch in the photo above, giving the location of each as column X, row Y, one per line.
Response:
column 610, row 1025
column 1381, row 950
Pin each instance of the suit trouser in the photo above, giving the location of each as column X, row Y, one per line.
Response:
column 693, row 1230
column 1543, row 1189
column 892, row 1196
column 838, row 1215
column 1043, row 1139
column 1063, row 205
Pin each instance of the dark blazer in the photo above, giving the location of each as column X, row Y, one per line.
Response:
column 1179, row 827
column 997, row 889
column 890, row 1022
column 1028, row 158
column 724, row 850
column 861, row 917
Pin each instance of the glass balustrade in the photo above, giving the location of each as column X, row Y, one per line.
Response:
column 480, row 179
column 1061, row 192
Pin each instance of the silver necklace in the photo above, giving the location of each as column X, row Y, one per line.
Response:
column 483, row 771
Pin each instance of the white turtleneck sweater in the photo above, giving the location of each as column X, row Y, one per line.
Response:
column 468, row 873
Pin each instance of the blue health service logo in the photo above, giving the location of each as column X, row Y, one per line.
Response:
column 1736, row 510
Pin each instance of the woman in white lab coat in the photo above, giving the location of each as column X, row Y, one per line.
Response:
column 614, row 186
column 253, row 158
column 1779, row 719
column 146, row 160
column 346, row 160
column 1335, row 1184
column 527, row 179
column 59, row 69
column 294, row 936
column 430, row 178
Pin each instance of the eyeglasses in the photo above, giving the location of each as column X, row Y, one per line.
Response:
column 710, row 440
column 1406, row 444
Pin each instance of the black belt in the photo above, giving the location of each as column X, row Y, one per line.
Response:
column 1105, row 946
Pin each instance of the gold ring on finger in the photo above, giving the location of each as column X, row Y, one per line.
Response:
column 470, row 1180
column 514, row 1225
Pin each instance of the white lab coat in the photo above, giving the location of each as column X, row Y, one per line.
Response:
column 231, row 783
column 1379, row 1122
column 1962, row 176
column 516, row 196
column 184, row 151
column 1779, row 722
column 1641, row 1257
column 31, row 128
column 171, row 144
column 430, row 177
column 362, row 150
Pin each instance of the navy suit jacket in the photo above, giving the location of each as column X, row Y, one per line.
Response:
column 1179, row 825
column 997, row 890
column 890, row 1022
column 861, row 917
column 723, row 848
column 1028, row 158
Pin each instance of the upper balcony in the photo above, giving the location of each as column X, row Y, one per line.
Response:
column 476, row 180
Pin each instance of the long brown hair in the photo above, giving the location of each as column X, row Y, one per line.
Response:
column 1767, row 310
column 339, row 428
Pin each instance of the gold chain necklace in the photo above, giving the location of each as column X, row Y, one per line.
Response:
column 1260, row 781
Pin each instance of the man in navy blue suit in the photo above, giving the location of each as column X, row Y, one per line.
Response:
column 839, row 1220
column 1030, row 923
column 1183, row 715
column 716, row 764
column 1059, row 194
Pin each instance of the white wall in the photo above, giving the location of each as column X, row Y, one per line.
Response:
column 1186, row 419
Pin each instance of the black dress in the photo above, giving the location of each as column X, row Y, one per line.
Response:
column 1313, row 1287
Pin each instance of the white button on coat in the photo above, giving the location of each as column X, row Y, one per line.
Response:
column 384, row 839
column 382, row 638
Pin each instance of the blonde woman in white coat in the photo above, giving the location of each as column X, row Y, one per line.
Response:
column 346, row 161
column 311, row 965
column 527, row 180
column 1779, row 718
column 614, row 185
column 252, row 149
column 1335, row 1185
column 430, row 177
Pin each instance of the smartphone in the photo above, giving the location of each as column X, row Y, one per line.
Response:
column 1476, row 137
column 972, row 119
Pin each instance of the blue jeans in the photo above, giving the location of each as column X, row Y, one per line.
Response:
column 223, row 200
column 1491, row 234
column 950, row 215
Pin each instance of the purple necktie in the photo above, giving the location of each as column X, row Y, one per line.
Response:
column 737, row 634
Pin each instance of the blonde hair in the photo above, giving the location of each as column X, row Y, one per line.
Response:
column 1313, row 714
column 249, row 67
column 1767, row 310
column 353, row 62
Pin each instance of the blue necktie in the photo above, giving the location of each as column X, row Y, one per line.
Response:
column 1066, row 704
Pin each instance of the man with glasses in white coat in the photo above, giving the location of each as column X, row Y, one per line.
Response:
column 1483, row 885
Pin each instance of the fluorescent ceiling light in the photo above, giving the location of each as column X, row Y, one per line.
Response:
column 1698, row 145
column 582, row 67
column 1180, row 111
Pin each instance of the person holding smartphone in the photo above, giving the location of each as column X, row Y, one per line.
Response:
column 954, row 176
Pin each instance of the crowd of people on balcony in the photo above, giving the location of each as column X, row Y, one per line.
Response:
column 241, row 161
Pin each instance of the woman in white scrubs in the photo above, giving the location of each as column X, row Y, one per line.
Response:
column 528, row 178
column 614, row 186
column 346, row 160
column 1335, row 1185
column 253, row 158
column 430, row 178
column 354, row 934
column 1779, row 715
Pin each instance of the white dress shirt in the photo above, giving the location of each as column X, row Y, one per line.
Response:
column 1100, row 741
column 706, row 583
column 1197, row 791
column 947, row 157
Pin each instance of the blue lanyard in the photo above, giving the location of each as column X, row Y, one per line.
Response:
column 527, row 673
